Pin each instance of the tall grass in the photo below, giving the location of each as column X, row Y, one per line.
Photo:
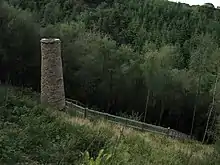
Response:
column 33, row 134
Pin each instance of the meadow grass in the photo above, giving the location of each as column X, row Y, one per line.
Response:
column 34, row 134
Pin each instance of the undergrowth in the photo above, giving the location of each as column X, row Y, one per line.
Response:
column 33, row 134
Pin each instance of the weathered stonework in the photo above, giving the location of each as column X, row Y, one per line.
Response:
column 52, row 85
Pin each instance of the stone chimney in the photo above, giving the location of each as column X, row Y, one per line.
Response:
column 52, row 85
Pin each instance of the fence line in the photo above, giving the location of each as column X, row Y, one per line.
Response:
column 137, row 125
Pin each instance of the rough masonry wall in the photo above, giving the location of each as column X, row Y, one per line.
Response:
column 52, row 85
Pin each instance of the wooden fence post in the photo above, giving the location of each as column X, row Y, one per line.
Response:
column 106, row 117
column 142, row 126
column 126, row 123
column 168, row 131
column 85, row 112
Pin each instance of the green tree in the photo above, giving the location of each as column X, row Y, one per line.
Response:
column 156, row 68
column 214, row 90
column 202, row 46
column 19, row 47
column 52, row 13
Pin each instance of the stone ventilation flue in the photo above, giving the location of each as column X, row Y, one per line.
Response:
column 52, row 85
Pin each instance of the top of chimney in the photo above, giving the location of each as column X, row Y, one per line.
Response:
column 50, row 40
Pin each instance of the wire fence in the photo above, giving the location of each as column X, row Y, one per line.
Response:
column 81, row 109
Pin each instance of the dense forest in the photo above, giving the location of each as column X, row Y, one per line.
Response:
column 154, row 60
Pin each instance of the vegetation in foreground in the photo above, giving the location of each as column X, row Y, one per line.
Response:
column 33, row 134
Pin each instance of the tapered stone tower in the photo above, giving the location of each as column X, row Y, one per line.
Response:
column 52, row 85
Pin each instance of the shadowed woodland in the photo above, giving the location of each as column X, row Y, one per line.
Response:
column 153, row 59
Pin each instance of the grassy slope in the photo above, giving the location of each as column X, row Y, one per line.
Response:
column 37, row 135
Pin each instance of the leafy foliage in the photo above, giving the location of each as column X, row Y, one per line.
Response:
column 101, row 158
column 121, row 56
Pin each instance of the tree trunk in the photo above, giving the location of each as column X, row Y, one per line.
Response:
column 212, row 125
column 195, row 107
column 161, row 111
column 146, row 105
column 109, row 108
column 211, row 109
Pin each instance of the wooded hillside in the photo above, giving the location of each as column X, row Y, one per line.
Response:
column 154, row 59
